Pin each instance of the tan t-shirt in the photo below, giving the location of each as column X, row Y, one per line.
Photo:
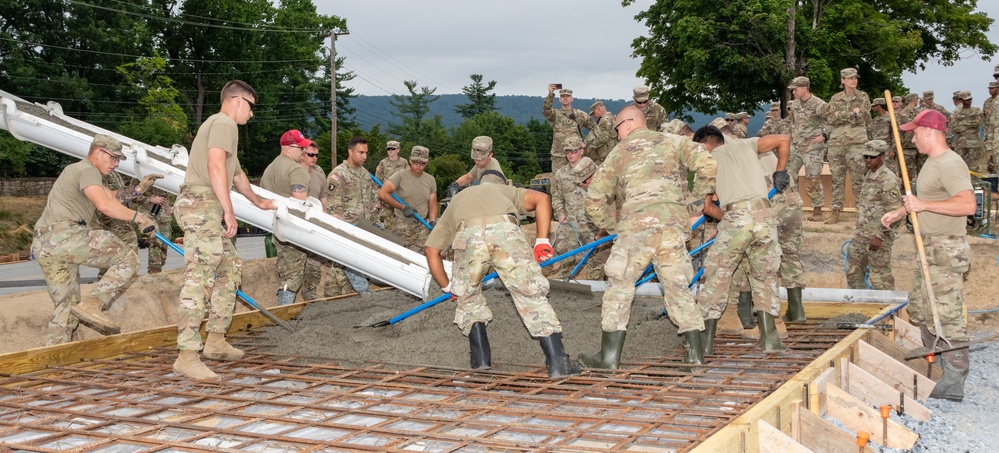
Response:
column 492, row 165
column 317, row 181
column 67, row 202
column 218, row 131
column 739, row 176
column 282, row 173
column 939, row 179
column 414, row 191
column 483, row 200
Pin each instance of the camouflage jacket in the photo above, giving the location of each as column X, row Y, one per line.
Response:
column 987, row 118
column 655, row 115
column 739, row 130
column 940, row 109
column 965, row 125
column 565, row 124
column 769, row 128
column 648, row 170
column 568, row 199
column 848, row 118
column 115, row 182
column 879, row 194
column 904, row 116
column 881, row 129
column 601, row 139
column 807, row 120
column 353, row 195
column 386, row 168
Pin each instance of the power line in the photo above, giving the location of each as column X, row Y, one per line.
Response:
column 436, row 83
column 142, row 56
column 200, row 24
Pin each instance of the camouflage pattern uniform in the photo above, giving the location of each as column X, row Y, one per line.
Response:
column 655, row 114
column 564, row 124
column 314, row 262
column 806, row 122
column 848, row 118
column 123, row 230
column 881, row 130
column 965, row 124
column 601, row 139
column 385, row 169
column 987, row 129
column 739, row 129
column 568, row 200
column 649, row 171
column 909, row 151
column 880, row 193
column 164, row 226
column 352, row 196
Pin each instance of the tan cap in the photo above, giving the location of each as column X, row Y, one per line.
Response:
column 740, row 116
column 419, row 154
column 964, row 95
column 909, row 97
column 767, row 115
column 800, row 81
column 775, row 106
column 640, row 93
column 109, row 143
column 875, row 148
column 392, row 144
column 596, row 105
column 927, row 95
column 583, row 169
column 572, row 143
column 896, row 98
column 729, row 116
column 481, row 147
column 673, row 127
column 565, row 92
column 995, row 71
column 956, row 95
column 848, row 73
column 993, row 84
column 879, row 101
column 719, row 123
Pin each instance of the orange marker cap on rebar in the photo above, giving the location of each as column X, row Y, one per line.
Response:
column 862, row 438
column 931, row 358
column 885, row 411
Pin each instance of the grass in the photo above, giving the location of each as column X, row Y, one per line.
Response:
column 17, row 219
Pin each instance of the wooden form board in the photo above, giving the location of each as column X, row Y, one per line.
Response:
column 819, row 435
column 898, row 352
column 871, row 390
column 907, row 335
column 772, row 440
column 857, row 415
column 897, row 375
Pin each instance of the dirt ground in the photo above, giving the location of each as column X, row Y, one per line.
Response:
column 327, row 329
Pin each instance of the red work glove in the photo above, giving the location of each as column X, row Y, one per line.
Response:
column 543, row 249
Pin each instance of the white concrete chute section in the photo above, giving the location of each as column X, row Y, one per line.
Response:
column 301, row 223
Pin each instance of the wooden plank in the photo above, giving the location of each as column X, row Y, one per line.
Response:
column 826, row 310
column 907, row 334
column 772, row 440
column 875, row 392
column 821, row 436
column 817, row 389
column 856, row 415
column 898, row 352
column 890, row 371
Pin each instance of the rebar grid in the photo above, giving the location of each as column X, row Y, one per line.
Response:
column 267, row 402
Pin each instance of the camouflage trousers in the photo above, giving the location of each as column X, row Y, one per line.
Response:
column 976, row 158
column 344, row 280
column 810, row 156
column 291, row 262
column 877, row 264
column 412, row 231
column 157, row 249
column 558, row 157
column 663, row 245
column 124, row 231
column 212, row 268
column 787, row 207
column 742, row 232
column 949, row 258
column 503, row 246
column 843, row 158
column 60, row 250
column 570, row 236
column 313, row 275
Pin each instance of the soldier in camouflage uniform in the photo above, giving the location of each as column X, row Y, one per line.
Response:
column 928, row 104
column 965, row 125
column 808, row 149
column 988, row 127
column 739, row 128
column 63, row 240
column 646, row 175
column 566, row 122
column 419, row 191
column 677, row 127
column 881, row 130
column 908, row 113
column 317, row 189
column 773, row 121
column 212, row 268
column 353, row 197
column 601, row 139
column 286, row 177
column 946, row 198
column 386, row 168
column 157, row 250
column 122, row 229
column 748, row 228
column 848, row 118
column 871, row 245
column 481, row 225
column 568, row 202
column 655, row 114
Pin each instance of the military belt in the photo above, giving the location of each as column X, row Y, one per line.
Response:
column 752, row 205
column 929, row 239
column 490, row 220
column 58, row 225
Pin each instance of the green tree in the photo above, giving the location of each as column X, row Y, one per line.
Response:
column 446, row 168
column 411, row 110
column 707, row 56
column 164, row 122
column 480, row 101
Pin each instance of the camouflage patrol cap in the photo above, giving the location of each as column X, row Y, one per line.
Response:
column 875, row 148
column 775, row 106
column 909, row 97
column 964, row 95
column 848, row 73
column 640, row 93
column 879, row 101
column 800, row 81
column 927, row 95
column 896, row 98
column 729, row 116
column 583, row 169
column 719, row 123
column 111, row 144
column 993, row 84
column 674, row 127
column 740, row 116
column 482, row 146
column 596, row 105
column 565, row 92
column 956, row 95
column 392, row 144
column 419, row 154
column 572, row 143
column 995, row 71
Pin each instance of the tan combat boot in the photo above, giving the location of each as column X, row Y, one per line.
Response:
column 729, row 323
column 833, row 217
column 754, row 334
column 216, row 348
column 816, row 215
column 89, row 311
column 189, row 365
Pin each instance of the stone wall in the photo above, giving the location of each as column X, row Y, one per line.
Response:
column 20, row 187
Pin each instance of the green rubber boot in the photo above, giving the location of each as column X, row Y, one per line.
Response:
column 746, row 309
column 708, row 336
column 609, row 357
column 795, row 311
column 769, row 338
column 693, row 350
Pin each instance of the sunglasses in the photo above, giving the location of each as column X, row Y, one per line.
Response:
column 622, row 122
column 312, row 154
column 248, row 102
column 873, row 157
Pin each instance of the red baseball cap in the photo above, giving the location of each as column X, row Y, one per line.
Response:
column 927, row 118
column 294, row 137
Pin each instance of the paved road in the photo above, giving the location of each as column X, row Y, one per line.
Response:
column 27, row 276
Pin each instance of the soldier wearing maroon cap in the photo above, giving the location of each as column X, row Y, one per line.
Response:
column 945, row 199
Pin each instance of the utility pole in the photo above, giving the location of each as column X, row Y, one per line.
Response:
column 332, row 35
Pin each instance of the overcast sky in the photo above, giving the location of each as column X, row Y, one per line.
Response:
column 525, row 44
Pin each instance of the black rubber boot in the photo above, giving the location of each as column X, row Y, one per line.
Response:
column 609, row 357
column 478, row 343
column 746, row 309
column 708, row 336
column 693, row 350
column 769, row 338
column 558, row 362
column 955, row 370
column 795, row 311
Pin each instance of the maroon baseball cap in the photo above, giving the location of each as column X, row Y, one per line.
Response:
column 927, row 118
column 294, row 138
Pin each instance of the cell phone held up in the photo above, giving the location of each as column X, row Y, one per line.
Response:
column 558, row 86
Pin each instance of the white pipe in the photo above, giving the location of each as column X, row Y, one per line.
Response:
column 300, row 222
column 808, row 294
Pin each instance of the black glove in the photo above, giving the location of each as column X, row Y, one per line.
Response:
column 452, row 189
column 432, row 223
column 408, row 211
column 781, row 180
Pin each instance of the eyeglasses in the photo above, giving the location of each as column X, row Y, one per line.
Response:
column 312, row 154
column 874, row 157
column 577, row 150
column 622, row 122
column 390, row 148
column 416, row 162
column 730, row 120
column 641, row 102
column 115, row 158
column 248, row 102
